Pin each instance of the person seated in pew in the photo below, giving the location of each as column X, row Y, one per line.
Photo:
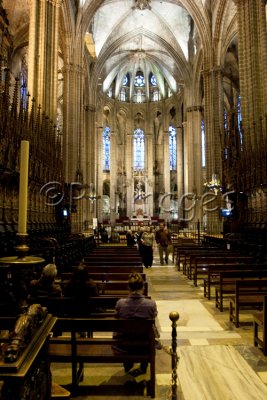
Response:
column 81, row 286
column 135, row 306
column 45, row 286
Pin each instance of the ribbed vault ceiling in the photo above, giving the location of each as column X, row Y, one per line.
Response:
column 130, row 35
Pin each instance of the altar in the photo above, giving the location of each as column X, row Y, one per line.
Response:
column 136, row 220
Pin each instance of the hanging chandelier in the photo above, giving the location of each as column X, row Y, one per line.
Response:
column 214, row 185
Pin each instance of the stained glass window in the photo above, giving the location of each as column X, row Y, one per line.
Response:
column 203, row 143
column 139, row 80
column 139, row 149
column 239, row 119
column 125, row 81
column 106, row 149
column 153, row 80
column 172, row 148
column 226, row 132
column 23, row 81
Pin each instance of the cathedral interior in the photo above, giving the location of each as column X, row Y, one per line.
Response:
column 118, row 112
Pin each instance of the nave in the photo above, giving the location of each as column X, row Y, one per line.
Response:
column 217, row 361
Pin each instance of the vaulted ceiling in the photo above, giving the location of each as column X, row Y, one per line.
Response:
column 162, row 36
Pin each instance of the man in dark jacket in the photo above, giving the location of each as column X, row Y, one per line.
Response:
column 163, row 239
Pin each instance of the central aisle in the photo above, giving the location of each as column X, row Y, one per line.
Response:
column 201, row 329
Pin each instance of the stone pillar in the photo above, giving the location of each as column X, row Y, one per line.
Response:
column 114, row 195
column 252, row 59
column 73, row 117
column 88, row 158
column 194, row 166
column 149, row 180
column 213, row 112
column 166, row 176
column 180, row 162
column 43, row 54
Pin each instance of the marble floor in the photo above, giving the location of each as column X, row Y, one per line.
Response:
column 216, row 361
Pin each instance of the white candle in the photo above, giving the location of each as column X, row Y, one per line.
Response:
column 23, row 186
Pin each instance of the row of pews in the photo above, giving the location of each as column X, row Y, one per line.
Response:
column 234, row 279
column 109, row 267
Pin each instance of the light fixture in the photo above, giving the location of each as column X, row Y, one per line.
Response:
column 214, row 185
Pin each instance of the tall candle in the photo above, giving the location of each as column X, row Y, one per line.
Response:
column 23, row 186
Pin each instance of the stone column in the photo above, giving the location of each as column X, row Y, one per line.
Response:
column 166, row 176
column 73, row 114
column 114, row 195
column 43, row 54
column 194, row 166
column 213, row 112
column 88, row 158
column 149, row 180
column 180, row 162
column 252, row 58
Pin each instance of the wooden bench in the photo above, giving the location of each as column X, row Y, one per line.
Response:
column 107, row 269
column 183, row 251
column 68, row 306
column 249, row 294
column 227, row 279
column 200, row 267
column 113, row 263
column 214, row 271
column 102, row 276
column 79, row 351
column 260, row 321
column 194, row 258
column 112, row 288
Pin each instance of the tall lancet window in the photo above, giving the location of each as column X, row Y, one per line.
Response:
column 106, row 149
column 203, row 143
column 239, row 120
column 23, row 81
column 172, row 148
column 139, row 149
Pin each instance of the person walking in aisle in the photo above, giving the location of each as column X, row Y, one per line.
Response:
column 147, row 247
column 163, row 239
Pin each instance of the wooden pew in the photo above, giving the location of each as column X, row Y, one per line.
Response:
column 78, row 351
column 260, row 322
column 199, row 269
column 102, row 277
column 183, row 250
column 190, row 255
column 113, row 288
column 113, row 263
column 214, row 271
column 249, row 294
column 70, row 307
column 227, row 280
column 114, row 269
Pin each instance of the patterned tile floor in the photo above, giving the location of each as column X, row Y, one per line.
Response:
column 200, row 324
